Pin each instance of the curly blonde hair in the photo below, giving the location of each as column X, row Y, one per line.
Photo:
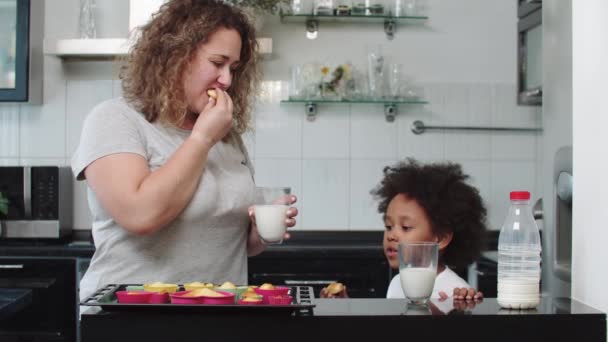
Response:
column 152, row 75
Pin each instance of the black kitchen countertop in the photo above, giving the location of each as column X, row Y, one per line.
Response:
column 78, row 244
column 556, row 319
column 13, row 301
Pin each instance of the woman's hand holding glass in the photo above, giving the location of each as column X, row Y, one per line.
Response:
column 272, row 214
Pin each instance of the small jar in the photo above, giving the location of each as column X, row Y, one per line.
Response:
column 343, row 7
column 323, row 7
column 358, row 8
column 374, row 7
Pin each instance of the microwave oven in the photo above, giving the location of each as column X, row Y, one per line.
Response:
column 36, row 202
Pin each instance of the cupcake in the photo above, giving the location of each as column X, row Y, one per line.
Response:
column 197, row 285
column 250, row 301
column 161, row 287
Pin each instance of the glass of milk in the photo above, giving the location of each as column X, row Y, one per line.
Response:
column 271, row 213
column 417, row 270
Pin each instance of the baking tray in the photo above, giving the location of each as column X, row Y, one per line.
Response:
column 105, row 297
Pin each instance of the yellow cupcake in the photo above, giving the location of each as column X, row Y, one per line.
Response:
column 228, row 286
column 267, row 286
column 197, row 285
column 161, row 287
column 204, row 292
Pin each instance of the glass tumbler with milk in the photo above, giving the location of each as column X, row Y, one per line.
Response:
column 270, row 210
column 417, row 270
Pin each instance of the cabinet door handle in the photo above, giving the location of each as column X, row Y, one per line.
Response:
column 11, row 267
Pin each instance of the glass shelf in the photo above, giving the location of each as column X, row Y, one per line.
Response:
column 312, row 21
column 390, row 106
column 370, row 101
column 300, row 18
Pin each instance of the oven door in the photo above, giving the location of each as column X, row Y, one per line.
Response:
column 364, row 278
column 51, row 315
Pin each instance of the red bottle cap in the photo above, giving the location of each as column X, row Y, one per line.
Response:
column 519, row 195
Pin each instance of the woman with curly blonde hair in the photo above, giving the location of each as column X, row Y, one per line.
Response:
column 168, row 177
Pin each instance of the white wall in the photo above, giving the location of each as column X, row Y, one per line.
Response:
column 590, row 236
column 464, row 56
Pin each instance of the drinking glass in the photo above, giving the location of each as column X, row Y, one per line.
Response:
column 375, row 71
column 271, row 204
column 395, row 80
column 410, row 8
column 417, row 270
column 397, row 9
column 295, row 87
column 300, row 7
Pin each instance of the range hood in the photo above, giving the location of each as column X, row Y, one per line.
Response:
column 109, row 47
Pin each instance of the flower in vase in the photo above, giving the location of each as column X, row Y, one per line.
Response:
column 341, row 74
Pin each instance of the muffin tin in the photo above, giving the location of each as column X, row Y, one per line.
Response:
column 296, row 299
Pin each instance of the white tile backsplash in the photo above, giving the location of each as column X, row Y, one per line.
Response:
column 480, row 176
column 328, row 136
column 9, row 130
column 9, row 161
column 43, row 132
column 429, row 145
column 472, row 145
column 508, row 176
column 480, row 104
column 372, row 137
column 365, row 176
column 82, row 96
column 456, row 105
column 514, row 146
column 325, row 194
column 278, row 131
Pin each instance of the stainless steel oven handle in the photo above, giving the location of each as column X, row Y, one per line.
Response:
column 309, row 282
column 11, row 267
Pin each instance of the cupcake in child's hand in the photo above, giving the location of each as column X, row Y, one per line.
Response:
column 334, row 290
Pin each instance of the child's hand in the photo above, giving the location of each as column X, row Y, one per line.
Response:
column 334, row 290
column 467, row 294
column 463, row 294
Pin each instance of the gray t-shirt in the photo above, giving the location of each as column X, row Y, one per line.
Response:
column 206, row 242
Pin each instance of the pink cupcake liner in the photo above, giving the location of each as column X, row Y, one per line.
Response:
column 279, row 300
column 278, row 291
column 257, row 302
column 228, row 299
column 159, row 298
column 178, row 298
column 133, row 297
